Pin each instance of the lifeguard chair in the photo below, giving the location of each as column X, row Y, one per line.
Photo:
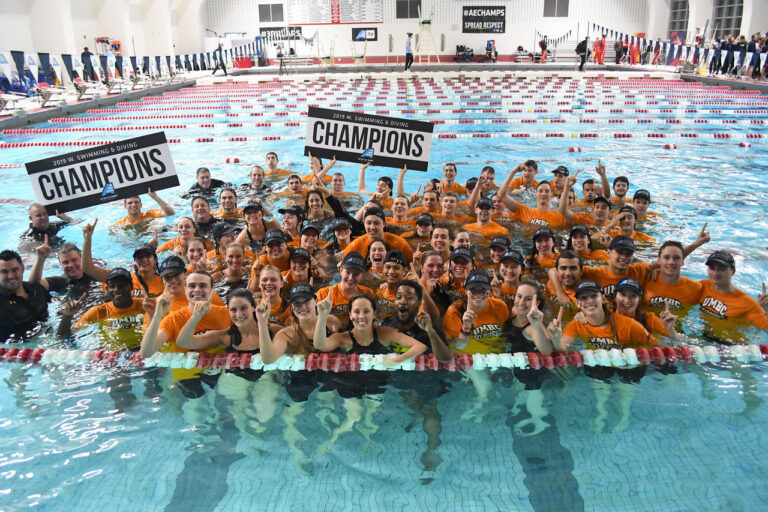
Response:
column 426, row 44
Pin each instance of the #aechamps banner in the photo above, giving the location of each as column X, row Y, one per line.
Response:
column 364, row 138
column 103, row 173
column 482, row 20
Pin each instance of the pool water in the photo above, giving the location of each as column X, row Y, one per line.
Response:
column 94, row 439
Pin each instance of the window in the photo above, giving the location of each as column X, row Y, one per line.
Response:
column 555, row 8
column 678, row 16
column 407, row 8
column 727, row 17
column 269, row 13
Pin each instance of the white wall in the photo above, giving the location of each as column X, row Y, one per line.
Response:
column 754, row 17
column 15, row 32
column 84, row 24
column 188, row 28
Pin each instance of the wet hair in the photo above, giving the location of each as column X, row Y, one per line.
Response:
column 531, row 163
column 621, row 179
column 313, row 192
column 202, row 170
column 194, row 225
column 236, row 245
column 570, row 255
column 672, row 243
column 67, row 247
column 271, row 268
column 540, row 297
column 569, row 243
column 432, row 253
column 198, row 239
column 192, row 202
column 256, row 167
column 272, row 153
column 545, row 182
column 202, row 273
column 532, row 261
column 34, row 205
column 227, row 189
column 446, row 227
column 413, row 284
column 588, row 181
column 239, row 293
column 489, row 169
column 368, row 262
column 363, row 296
column 8, row 255
column 294, row 177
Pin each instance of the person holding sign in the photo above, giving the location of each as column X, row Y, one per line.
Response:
column 41, row 226
column 135, row 215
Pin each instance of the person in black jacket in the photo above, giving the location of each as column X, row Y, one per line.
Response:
column 581, row 50
column 219, row 58
column 23, row 305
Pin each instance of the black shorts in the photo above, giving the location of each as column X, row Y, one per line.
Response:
column 356, row 384
column 193, row 388
column 429, row 385
column 301, row 384
column 605, row 373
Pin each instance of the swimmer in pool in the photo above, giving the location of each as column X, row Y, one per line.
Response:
column 40, row 225
column 204, row 184
column 541, row 216
column 272, row 166
column 256, row 186
column 135, row 215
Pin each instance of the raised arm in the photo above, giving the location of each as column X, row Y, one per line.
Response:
column 439, row 346
column 167, row 210
column 68, row 314
column 503, row 195
column 154, row 338
column 603, row 179
column 36, row 274
column 389, row 335
column 319, row 340
column 538, row 331
column 322, row 172
column 474, row 197
column 361, row 180
column 566, row 212
column 562, row 298
column 97, row 273
column 268, row 349
column 702, row 239
column 187, row 338
column 400, row 190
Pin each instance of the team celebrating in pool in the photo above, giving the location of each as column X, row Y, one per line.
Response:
column 450, row 269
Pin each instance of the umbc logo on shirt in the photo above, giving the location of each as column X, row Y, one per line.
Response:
column 367, row 154
column 108, row 191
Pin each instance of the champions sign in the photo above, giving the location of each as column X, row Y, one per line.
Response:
column 365, row 138
column 103, row 174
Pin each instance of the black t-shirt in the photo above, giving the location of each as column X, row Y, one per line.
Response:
column 248, row 189
column 414, row 332
column 38, row 235
column 73, row 288
column 23, row 317
column 197, row 190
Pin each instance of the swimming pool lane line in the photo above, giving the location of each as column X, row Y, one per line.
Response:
column 339, row 362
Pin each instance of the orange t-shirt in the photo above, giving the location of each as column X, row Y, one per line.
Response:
column 120, row 328
column 216, row 319
column 282, row 264
column 583, row 203
column 616, row 200
column 149, row 214
column 595, row 255
column 309, row 178
column 679, row 296
column 341, row 302
column 408, row 223
column 553, row 294
column 586, row 219
column 458, row 218
column 171, row 245
column 508, row 295
column 415, row 212
column 607, row 280
column 538, row 218
column 156, row 286
column 637, row 236
column 653, row 323
column 276, row 172
column 455, row 187
column 630, row 333
column 220, row 214
column 487, row 334
column 490, row 230
column 280, row 313
column 518, row 183
column 548, row 262
column 385, row 303
column 290, row 280
column 724, row 311
column 362, row 243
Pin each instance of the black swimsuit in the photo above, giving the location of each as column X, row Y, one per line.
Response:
column 256, row 245
column 245, row 373
column 357, row 384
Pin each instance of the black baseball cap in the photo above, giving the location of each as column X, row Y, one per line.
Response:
column 586, row 286
column 341, row 222
column 173, row 265
column 477, row 280
column 543, row 232
column 580, row 228
column 302, row 292
column 631, row 284
column 561, row 169
column 500, row 241
column 462, row 252
column 309, row 227
column 642, row 194
column 293, row 210
column 628, row 208
column 622, row 243
column 222, row 228
column 395, row 256
column 145, row 248
column 485, row 203
column 119, row 273
column 410, row 34
column 603, row 200
column 353, row 260
column 723, row 258
column 274, row 235
column 425, row 218
column 375, row 210
column 515, row 256
column 253, row 205
column 300, row 252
